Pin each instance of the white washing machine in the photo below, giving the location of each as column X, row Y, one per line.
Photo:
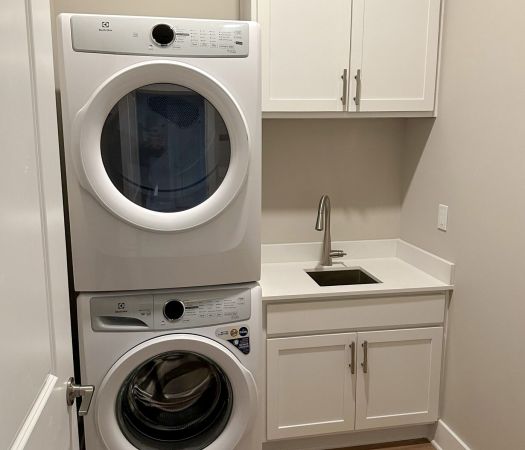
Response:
column 162, row 145
column 173, row 370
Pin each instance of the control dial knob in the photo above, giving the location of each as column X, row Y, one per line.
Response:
column 162, row 34
column 173, row 310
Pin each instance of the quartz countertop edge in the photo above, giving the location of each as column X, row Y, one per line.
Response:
column 401, row 267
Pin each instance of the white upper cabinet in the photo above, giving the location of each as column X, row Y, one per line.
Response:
column 394, row 53
column 389, row 46
column 305, row 50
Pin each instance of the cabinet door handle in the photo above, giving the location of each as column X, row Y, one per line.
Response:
column 352, row 358
column 364, row 364
column 357, row 98
column 345, row 86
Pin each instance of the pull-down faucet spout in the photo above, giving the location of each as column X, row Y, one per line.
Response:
column 323, row 223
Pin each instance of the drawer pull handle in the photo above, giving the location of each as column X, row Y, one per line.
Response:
column 364, row 364
column 357, row 98
column 352, row 358
column 345, row 85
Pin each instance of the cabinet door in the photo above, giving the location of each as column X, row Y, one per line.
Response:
column 310, row 385
column 398, row 377
column 305, row 49
column 395, row 48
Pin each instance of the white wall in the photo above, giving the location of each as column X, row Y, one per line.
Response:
column 354, row 161
column 473, row 159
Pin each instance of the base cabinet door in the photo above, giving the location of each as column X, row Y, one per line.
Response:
column 398, row 377
column 311, row 385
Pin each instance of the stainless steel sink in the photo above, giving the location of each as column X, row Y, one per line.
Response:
column 341, row 277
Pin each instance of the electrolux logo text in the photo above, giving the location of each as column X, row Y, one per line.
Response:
column 105, row 26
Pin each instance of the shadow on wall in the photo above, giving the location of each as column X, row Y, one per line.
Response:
column 417, row 136
column 356, row 162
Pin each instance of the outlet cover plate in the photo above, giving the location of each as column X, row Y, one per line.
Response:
column 442, row 217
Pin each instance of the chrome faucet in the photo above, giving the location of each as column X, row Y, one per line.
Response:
column 323, row 222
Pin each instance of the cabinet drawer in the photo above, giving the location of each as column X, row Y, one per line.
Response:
column 352, row 314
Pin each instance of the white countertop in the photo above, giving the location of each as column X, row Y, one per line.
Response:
column 401, row 268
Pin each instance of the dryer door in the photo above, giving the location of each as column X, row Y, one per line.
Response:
column 163, row 146
column 175, row 392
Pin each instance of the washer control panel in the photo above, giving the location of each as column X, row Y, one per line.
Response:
column 199, row 309
column 159, row 36
column 170, row 310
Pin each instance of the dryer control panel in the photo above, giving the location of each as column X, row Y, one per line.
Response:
column 170, row 310
column 159, row 36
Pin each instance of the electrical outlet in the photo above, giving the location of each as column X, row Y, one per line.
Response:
column 442, row 217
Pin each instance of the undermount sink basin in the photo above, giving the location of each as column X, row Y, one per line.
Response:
column 341, row 277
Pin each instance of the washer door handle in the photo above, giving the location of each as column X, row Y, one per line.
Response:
column 74, row 391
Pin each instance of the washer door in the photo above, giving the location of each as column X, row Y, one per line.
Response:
column 163, row 146
column 176, row 392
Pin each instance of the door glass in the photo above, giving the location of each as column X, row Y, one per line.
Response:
column 176, row 400
column 165, row 147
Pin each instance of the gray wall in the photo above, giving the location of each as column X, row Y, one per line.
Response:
column 210, row 9
column 355, row 161
column 473, row 159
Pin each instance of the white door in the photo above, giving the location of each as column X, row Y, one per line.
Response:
column 394, row 54
column 305, row 50
column 35, row 336
column 311, row 385
column 398, row 377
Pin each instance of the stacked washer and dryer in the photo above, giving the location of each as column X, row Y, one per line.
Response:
column 162, row 149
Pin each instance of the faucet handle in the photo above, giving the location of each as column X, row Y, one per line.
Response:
column 337, row 253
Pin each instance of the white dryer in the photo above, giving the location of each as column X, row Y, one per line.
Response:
column 173, row 370
column 162, row 145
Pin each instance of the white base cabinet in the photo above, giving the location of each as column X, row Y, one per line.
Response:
column 352, row 381
column 311, row 387
column 398, row 378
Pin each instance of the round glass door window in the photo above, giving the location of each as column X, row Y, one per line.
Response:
column 176, row 400
column 165, row 147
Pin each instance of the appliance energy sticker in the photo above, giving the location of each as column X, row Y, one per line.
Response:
column 237, row 336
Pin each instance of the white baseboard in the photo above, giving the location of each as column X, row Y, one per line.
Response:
column 446, row 439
